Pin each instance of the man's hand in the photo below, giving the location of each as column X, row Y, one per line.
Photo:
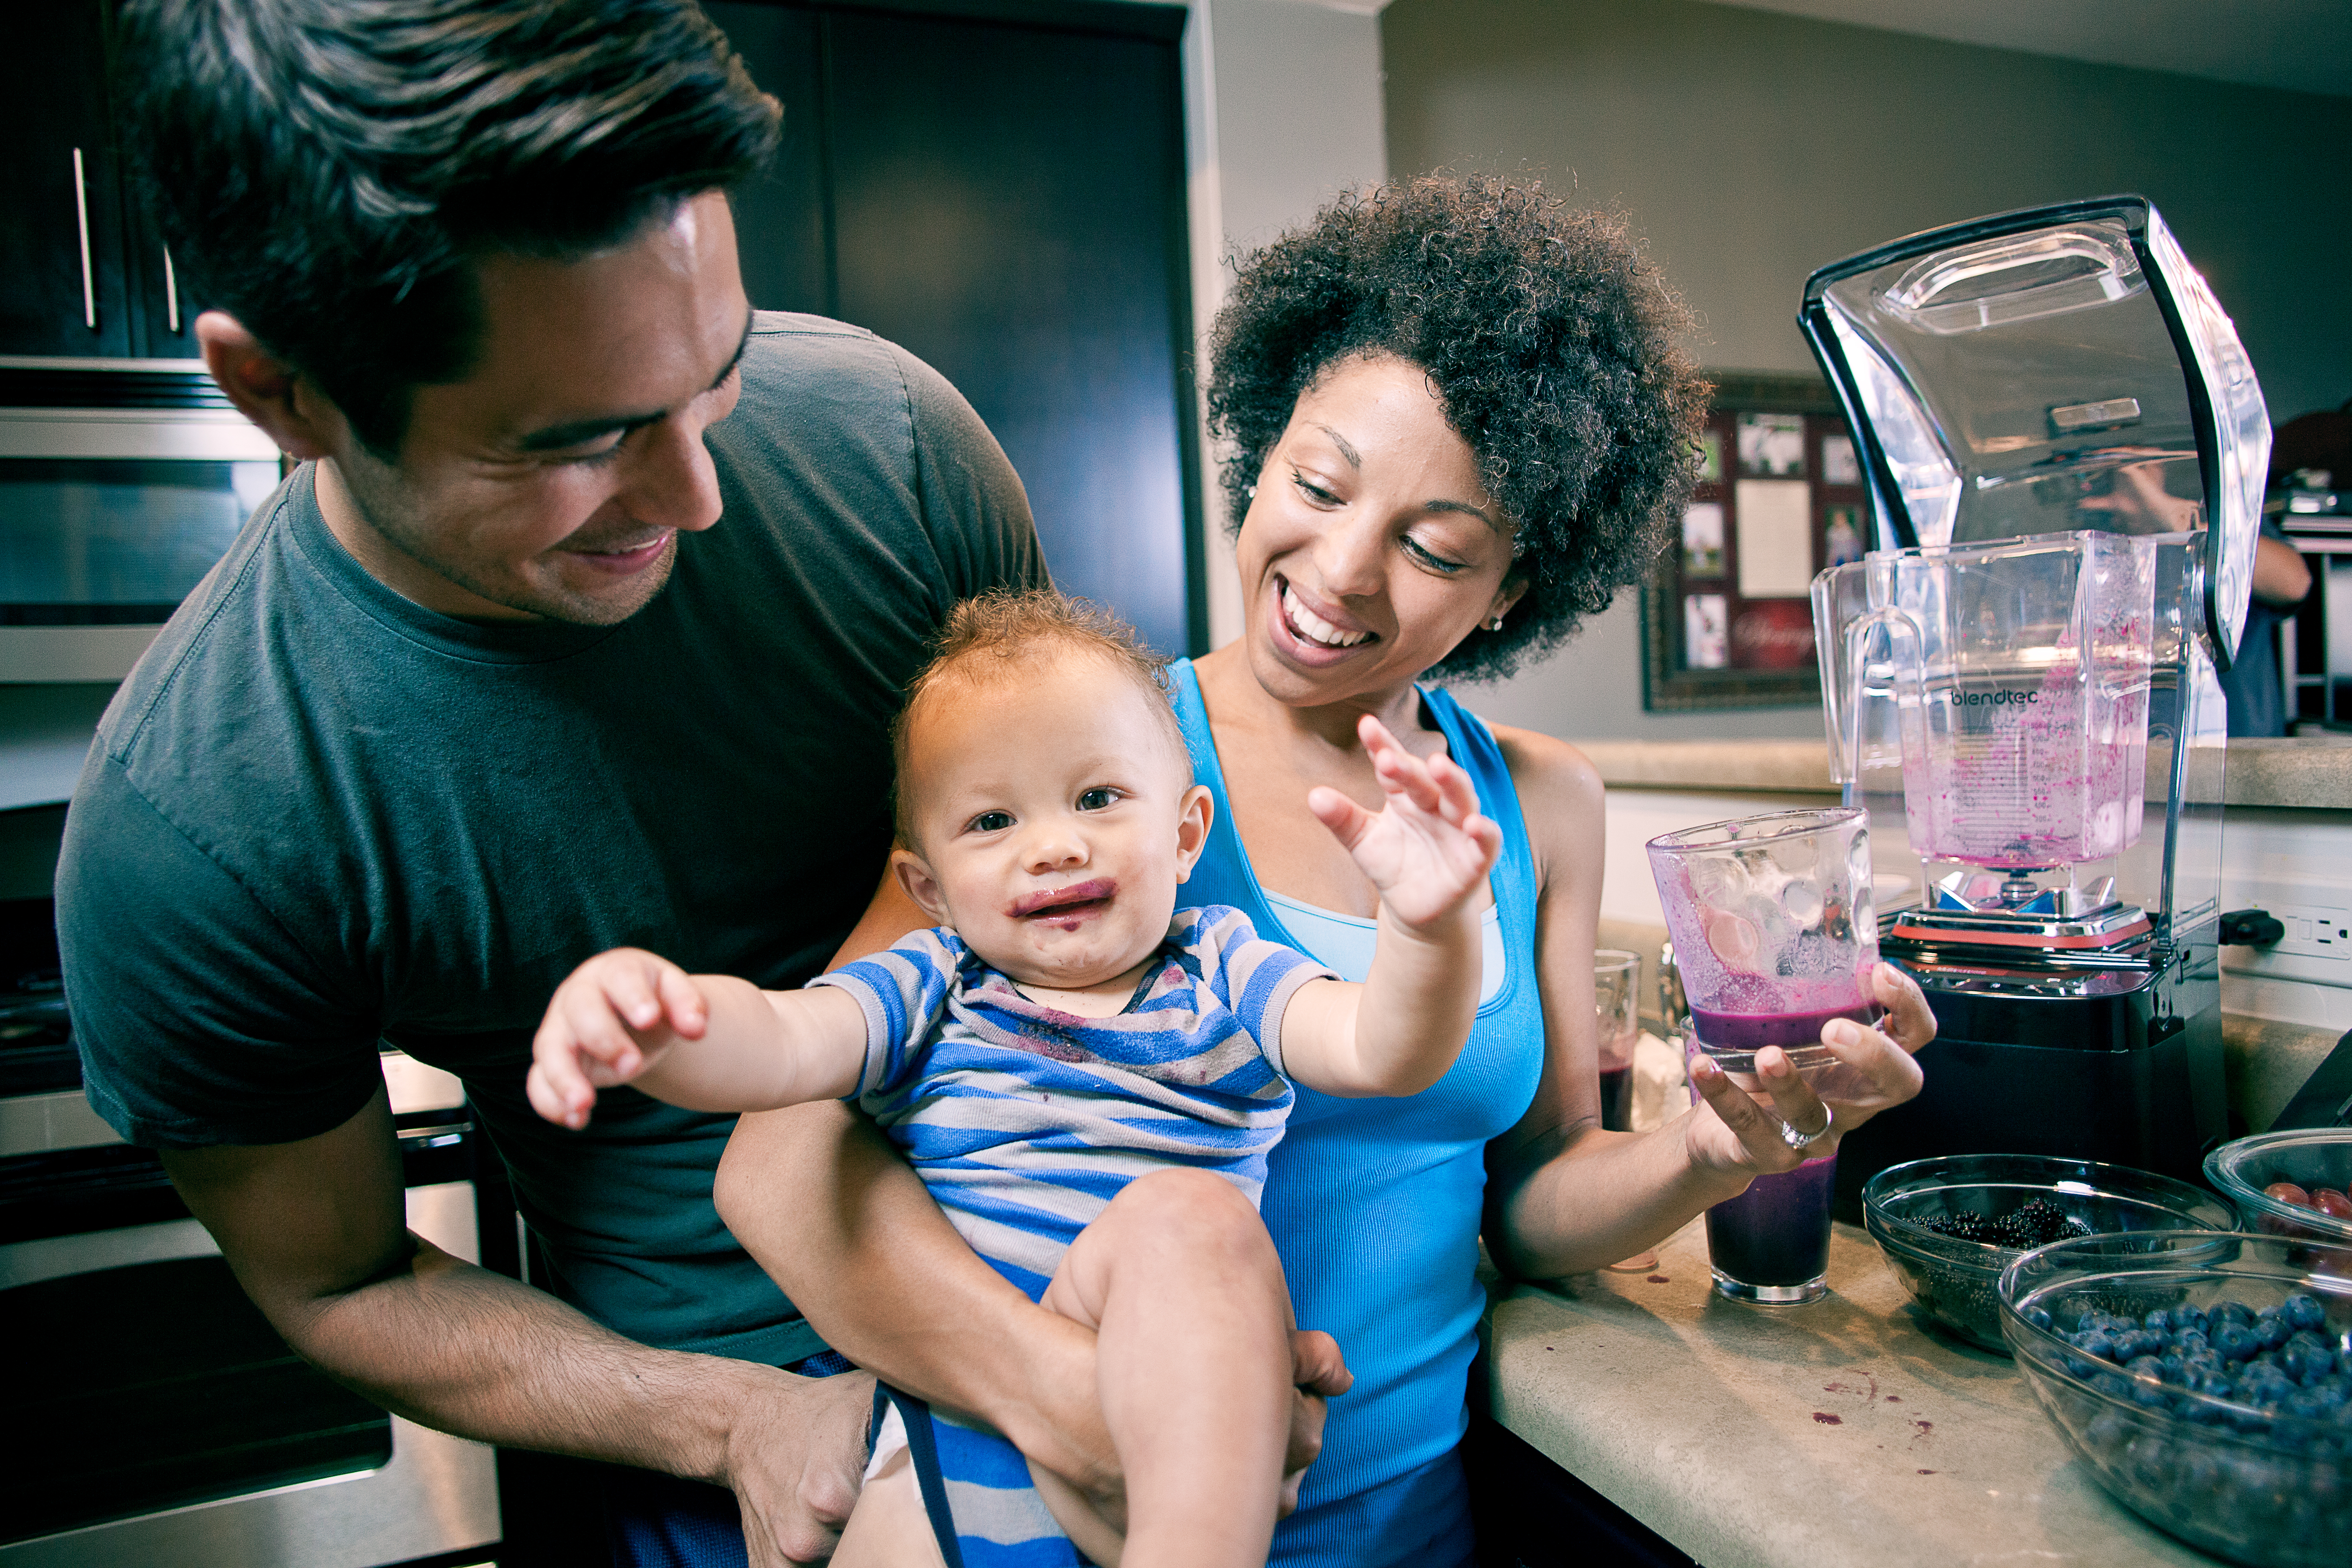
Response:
column 1428, row 849
column 795, row 1455
column 609, row 1021
column 1317, row 1374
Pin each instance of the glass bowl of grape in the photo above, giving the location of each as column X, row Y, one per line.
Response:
column 2289, row 1183
column 1948, row 1225
column 2206, row 1379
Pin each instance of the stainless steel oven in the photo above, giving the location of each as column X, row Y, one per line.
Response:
column 157, row 1418
column 122, row 482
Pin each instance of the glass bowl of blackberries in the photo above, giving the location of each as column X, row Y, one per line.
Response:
column 2206, row 1379
column 1948, row 1225
column 2289, row 1183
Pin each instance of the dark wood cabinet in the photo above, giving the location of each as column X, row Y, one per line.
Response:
column 85, row 274
column 1001, row 189
column 61, row 217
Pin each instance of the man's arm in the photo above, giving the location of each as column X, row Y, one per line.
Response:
column 314, row 1232
column 875, row 1267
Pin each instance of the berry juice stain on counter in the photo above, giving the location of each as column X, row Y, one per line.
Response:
column 1826, row 1420
column 1658, row 1279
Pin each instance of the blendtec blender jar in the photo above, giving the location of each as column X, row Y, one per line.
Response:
column 2065, row 446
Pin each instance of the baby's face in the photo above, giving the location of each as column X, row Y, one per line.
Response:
column 1055, row 817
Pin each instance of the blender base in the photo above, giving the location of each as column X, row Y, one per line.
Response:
column 2132, row 1077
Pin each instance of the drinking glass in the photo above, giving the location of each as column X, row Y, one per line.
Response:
column 1615, row 975
column 1773, row 929
column 1770, row 1246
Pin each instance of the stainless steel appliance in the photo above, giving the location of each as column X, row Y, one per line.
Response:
column 156, row 1417
column 2066, row 447
column 122, row 482
column 2317, row 645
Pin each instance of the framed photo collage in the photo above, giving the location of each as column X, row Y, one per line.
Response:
column 1727, row 620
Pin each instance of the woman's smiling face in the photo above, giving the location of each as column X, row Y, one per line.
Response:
column 1371, row 547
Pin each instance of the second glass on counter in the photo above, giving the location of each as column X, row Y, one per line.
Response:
column 1616, row 974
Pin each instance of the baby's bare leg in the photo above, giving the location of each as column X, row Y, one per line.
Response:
column 888, row 1528
column 1182, row 1285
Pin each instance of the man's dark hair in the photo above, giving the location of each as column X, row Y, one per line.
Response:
column 327, row 171
column 1544, row 333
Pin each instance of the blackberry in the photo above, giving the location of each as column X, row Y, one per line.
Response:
column 1960, row 1227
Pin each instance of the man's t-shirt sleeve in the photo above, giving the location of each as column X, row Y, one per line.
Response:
column 972, row 502
column 199, row 1018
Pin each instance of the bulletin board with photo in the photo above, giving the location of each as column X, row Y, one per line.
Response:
column 1726, row 616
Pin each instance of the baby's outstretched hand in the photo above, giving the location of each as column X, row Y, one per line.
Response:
column 610, row 1021
column 1428, row 849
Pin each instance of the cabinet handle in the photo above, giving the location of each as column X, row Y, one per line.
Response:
column 81, row 222
column 170, row 292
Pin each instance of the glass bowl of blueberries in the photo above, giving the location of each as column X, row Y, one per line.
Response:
column 2206, row 1379
column 2288, row 1184
column 1948, row 1225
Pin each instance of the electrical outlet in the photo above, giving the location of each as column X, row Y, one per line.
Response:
column 2313, row 930
column 2298, row 866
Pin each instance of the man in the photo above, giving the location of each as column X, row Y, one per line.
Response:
column 482, row 690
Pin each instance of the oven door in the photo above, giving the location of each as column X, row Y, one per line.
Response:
column 121, row 484
column 161, row 1421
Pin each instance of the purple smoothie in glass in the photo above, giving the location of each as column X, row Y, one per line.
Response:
column 1775, row 1237
column 1720, row 1032
column 1617, row 1098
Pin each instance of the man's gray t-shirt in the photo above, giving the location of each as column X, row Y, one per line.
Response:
column 318, row 815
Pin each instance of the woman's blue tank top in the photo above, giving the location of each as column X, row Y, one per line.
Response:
column 1374, row 1206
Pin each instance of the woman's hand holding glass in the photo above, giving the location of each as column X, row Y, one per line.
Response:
column 1737, row 1128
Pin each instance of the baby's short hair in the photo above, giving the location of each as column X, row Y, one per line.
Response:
column 998, row 637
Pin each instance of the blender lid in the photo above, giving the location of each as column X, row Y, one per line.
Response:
column 2045, row 371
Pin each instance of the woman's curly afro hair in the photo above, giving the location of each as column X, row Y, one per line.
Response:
column 1548, row 340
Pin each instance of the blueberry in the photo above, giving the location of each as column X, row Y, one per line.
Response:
column 2273, row 1330
column 2233, row 1312
column 2158, row 1322
column 2189, row 1319
column 2097, row 1343
column 2038, row 1316
column 2304, row 1311
column 2295, row 1362
column 2235, row 1342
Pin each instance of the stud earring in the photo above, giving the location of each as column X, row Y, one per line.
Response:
column 1496, row 625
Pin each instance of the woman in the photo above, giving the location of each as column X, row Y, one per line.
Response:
column 1460, row 423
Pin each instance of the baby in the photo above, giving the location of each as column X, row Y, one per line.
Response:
column 1086, row 1079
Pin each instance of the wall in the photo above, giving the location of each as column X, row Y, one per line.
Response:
column 1283, row 111
column 1748, row 148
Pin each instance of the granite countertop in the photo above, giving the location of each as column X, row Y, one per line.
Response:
column 2300, row 773
column 1838, row 1433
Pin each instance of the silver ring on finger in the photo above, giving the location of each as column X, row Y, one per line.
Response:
column 1801, row 1142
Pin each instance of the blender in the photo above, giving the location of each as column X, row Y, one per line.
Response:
column 2065, row 446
